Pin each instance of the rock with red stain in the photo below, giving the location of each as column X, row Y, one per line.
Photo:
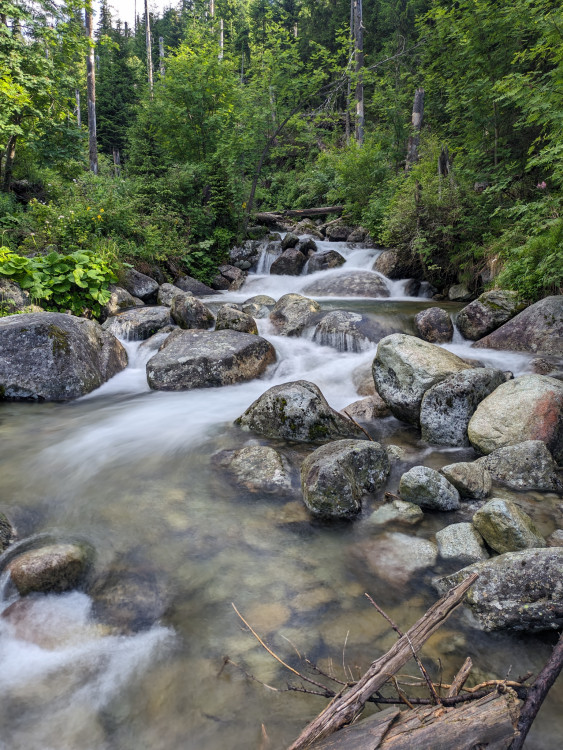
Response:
column 527, row 408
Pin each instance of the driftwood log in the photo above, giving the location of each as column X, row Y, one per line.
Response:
column 271, row 216
column 346, row 708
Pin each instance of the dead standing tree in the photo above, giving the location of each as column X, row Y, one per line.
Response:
column 91, row 81
column 417, row 118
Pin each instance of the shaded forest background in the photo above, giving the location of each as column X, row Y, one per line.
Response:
column 277, row 101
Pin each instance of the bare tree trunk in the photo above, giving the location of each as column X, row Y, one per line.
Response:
column 9, row 163
column 149, row 48
column 161, row 56
column 78, row 113
column 91, row 76
column 116, row 163
column 349, row 86
column 359, row 55
column 221, row 38
column 212, row 8
column 414, row 138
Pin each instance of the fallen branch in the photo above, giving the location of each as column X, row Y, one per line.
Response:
column 347, row 707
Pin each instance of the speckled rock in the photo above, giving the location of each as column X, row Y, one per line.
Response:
column 555, row 539
column 291, row 314
column 526, row 466
column 461, row 542
column 527, row 408
column 428, row 489
column 188, row 312
column 289, row 240
column 207, row 359
column 138, row 324
column 166, row 292
column 228, row 278
column 12, row 297
column 362, row 378
column 349, row 331
column 397, row 511
column 448, row 406
column 406, row 367
column 195, row 287
column 290, row 263
column 397, row 265
column 258, row 468
column 338, row 232
column 470, row 478
column 245, row 256
column 297, row 411
column 367, row 409
column 434, row 325
column 119, row 300
column 515, row 591
column 260, row 299
column 55, row 568
column 336, row 476
column 229, row 318
column 324, row 261
column 459, row 293
column 7, row 532
column 505, row 527
column 487, row 312
column 397, row 557
column 55, row 357
column 258, row 306
column 349, row 284
column 140, row 285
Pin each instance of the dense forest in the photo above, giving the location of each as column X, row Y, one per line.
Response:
column 258, row 105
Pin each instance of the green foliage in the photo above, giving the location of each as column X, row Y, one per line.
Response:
column 77, row 282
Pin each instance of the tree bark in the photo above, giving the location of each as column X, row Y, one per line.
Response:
column 414, row 138
column 9, row 163
column 346, row 708
column 91, row 80
column 349, row 85
column 149, row 46
column 359, row 56
column 161, row 55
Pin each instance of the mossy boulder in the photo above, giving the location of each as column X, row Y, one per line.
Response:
column 487, row 313
column 505, row 527
column 428, row 489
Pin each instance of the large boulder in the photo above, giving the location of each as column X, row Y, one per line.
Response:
column 505, row 527
column 119, row 300
column 397, row 265
column 349, row 284
column 207, row 359
column 188, row 312
column 338, row 232
column 54, row 568
column 434, row 325
column 54, row 357
column 350, row 331
column 538, row 330
column 297, row 411
column 525, row 466
column 470, row 478
column 230, row 318
column 427, row 488
column 139, row 285
column 336, row 476
column 459, row 293
column 257, row 468
column 487, row 312
column 325, row 261
column 228, row 278
column 448, row 406
column 406, row 367
column 195, row 287
column 290, row 240
column 290, row 263
column 167, row 292
column 461, row 542
column 527, row 408
column 291, row 314
column 515, row 591
column 138, row 324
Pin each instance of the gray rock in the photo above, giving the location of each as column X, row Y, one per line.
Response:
column 367, row 409
column 54, row 357
column 208, row 359
column 260, row 299
column 527, row 408
column 290, row 240
column 338, row 232
column 7, row 533
column 349, row 284
column 138, row 324
column 487, row 313
column 229, row 277
column 188, row 312
column 140, row 285
column 448, row 406
column 397, row 511
column 128, row 598
column 405, row 368
column 537, row 330
column 195, row 287
column 357, row 235
column 229, row 318
column 397, row 265
column 154, row 342
column 120, row 299
column 55, row 568
column 291, row 314
column 257, row 233
column 555, row 539
column 552, row 366
column 349, row 331
column 324, row 261
column 362, row 379
column 258, row 468
column 459, row 293
column 308, row 247
column 245, row 256
column 256, row 311
column 290, row 263
column 167, row 292
column 335, row 477
column 297, row 411
column 462, row 542
column 12, row 297
column 526, row 466
column 397, row 557
column 428, row 489
column 434, row 325
column 515, row 591
column 306, row 226
column 470, row 478
column 505, row 527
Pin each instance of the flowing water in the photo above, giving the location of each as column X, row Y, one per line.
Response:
column 131, row 471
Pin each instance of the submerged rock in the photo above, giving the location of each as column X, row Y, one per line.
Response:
column 527, row 408
column 367, row 409
column 397, row 511
column 324, row 261
column 516, row 591
column 54, row 357
column 405, row 367
column 335, row 477
column 428, row 489
column 434, row 325
column 297, row 411
column 128, row 599
column 290, row 263
column 505, row 527
column 461, row 542
column 291, row 314
column 208, row 359
column 188, row 312
column 487, row 312
column 349, row 284
column 350, row 331
column 470, row 478
column 258, row 468
column 396, row 557
column 525, row 466
column 448, row 406
column 139, row 285
column 55, row 568
column 138, row 324
column 229, row 318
